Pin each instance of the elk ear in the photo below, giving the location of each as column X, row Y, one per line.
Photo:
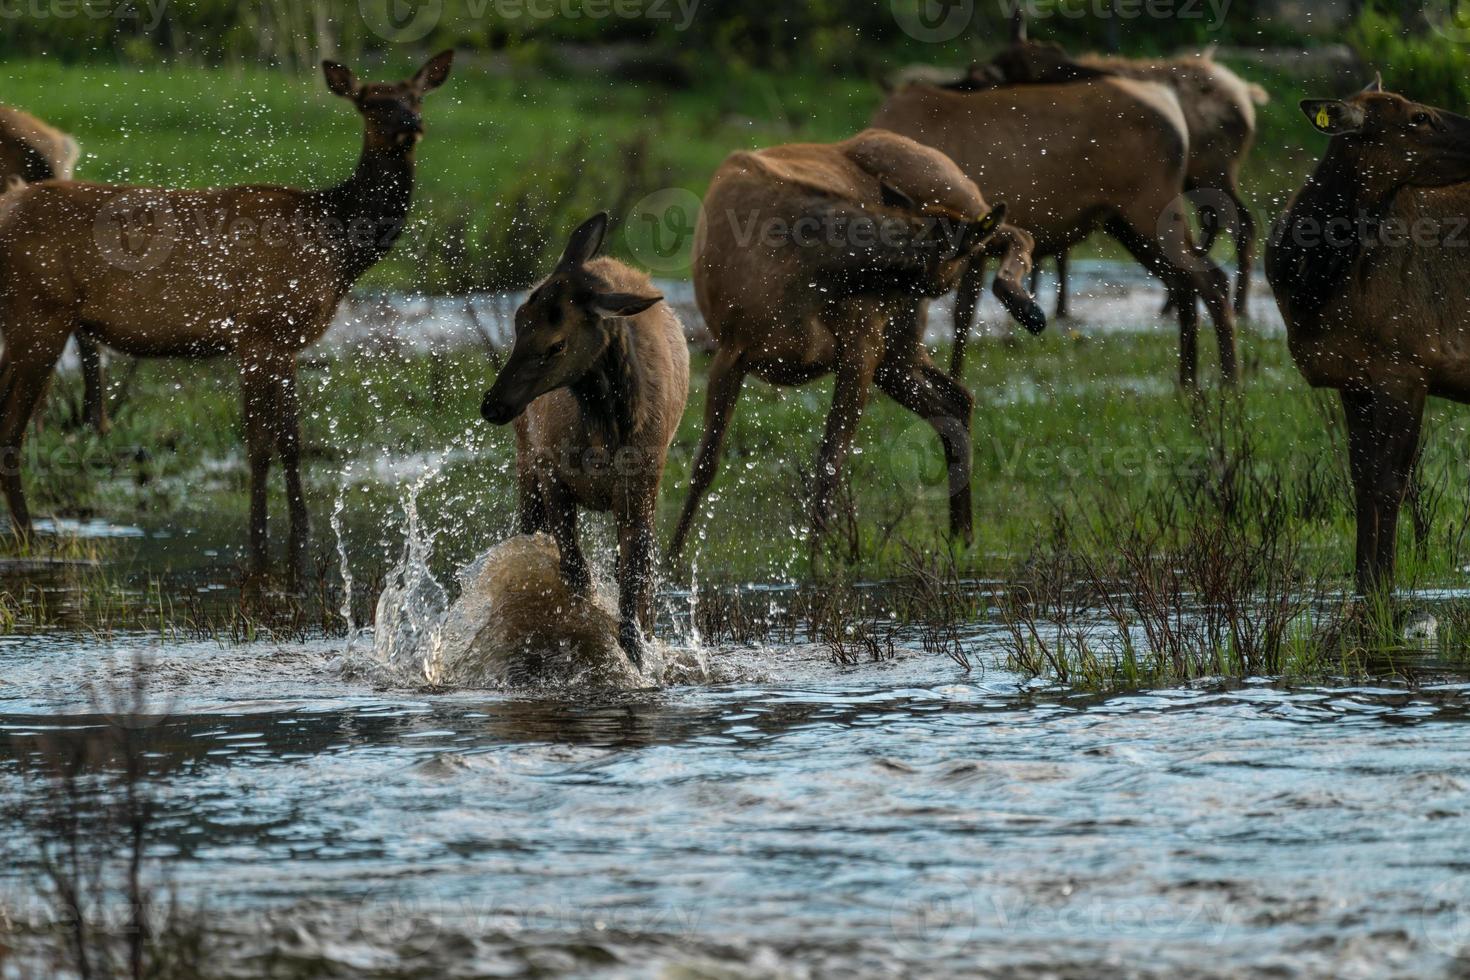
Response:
column 622, row 304
column 1333, row 117
column 434, row 72
column 892, row 197
column 585, row 242
column 981, row 229
column 340, row 80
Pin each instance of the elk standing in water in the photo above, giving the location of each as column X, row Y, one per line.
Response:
column 254, row 271
column 812, row 259
column 596, row 384
column 1040, row 149
column 32, row 151
column 1371, row 271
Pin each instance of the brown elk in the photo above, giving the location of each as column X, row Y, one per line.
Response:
column 253, row 271
column 1067, row 158
column 32, row 151
column 596, row 384
column 1371, row 272
column 1219, row 113
column 812, row 259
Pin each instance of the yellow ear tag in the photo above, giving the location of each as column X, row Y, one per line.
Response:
column 1323, row 119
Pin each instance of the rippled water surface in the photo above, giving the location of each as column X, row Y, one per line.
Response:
column 795, row 817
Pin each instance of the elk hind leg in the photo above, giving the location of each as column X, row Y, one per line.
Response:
column 726, row 376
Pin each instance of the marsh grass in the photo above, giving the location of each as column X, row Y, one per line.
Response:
column 89, row 818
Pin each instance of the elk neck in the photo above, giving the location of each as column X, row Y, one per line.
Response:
column 369, row 209
column 1318, row 242
column 610, row 394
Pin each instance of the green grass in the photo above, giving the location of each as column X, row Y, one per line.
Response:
column 490, row 135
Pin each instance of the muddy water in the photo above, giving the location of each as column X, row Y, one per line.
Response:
column 792, row 817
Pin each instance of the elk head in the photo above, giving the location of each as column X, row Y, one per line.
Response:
column 1392, row 142
column 390, row 109
column 563, row 328
column 940, row 242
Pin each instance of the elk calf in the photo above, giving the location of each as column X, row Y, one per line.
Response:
column 813, row 259
column 596, row 383
column 1372, row 276
column 256, row 272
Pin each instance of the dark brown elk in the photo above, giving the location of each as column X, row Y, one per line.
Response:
column 816, row 259
column 1068, row 158
column 1219, row 113
column 1371, row 271
column 255, row 272
column 596, row 384
column 31, row 151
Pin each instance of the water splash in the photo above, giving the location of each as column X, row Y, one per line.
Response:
column 413, row 603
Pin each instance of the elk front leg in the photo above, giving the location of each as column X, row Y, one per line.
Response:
column 966, row 301
column 94, row 392
column 25, row 373
column 1383, row 440
column 856, row 362
column 1064, row 301
column 635, row 579
column 259, row 388
column 726, row 375
column 561, row 514
column 288, row 446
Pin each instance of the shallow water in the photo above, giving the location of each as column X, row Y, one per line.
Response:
column 798, row 818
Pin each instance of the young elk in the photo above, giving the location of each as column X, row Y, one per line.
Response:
column 1371, row 271
column 1068, row 158
column 596, row 384
column 812, row 259
column 32, row 151
column 255, row 271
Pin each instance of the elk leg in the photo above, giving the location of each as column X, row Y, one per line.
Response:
column 25, row 373
column 947, row 406
column 561, row 513
column 635, row 581
column 856, row 365
column 965, row 303
column 1245, row 247
column 288, row 446
column 1064, row 302
column 1383, row 440
column 259, row 390
column 726, row 375
column 94, row 394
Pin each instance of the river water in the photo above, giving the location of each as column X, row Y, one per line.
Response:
column 791, row 817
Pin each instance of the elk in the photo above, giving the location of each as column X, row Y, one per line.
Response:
column 1067, row 158
column 1219, row 113
column 1370, row 270
column 815, row 259
column 32, row 151
column 255, row 272
column 596, row 384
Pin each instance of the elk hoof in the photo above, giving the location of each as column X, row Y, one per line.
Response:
column 630, row 638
